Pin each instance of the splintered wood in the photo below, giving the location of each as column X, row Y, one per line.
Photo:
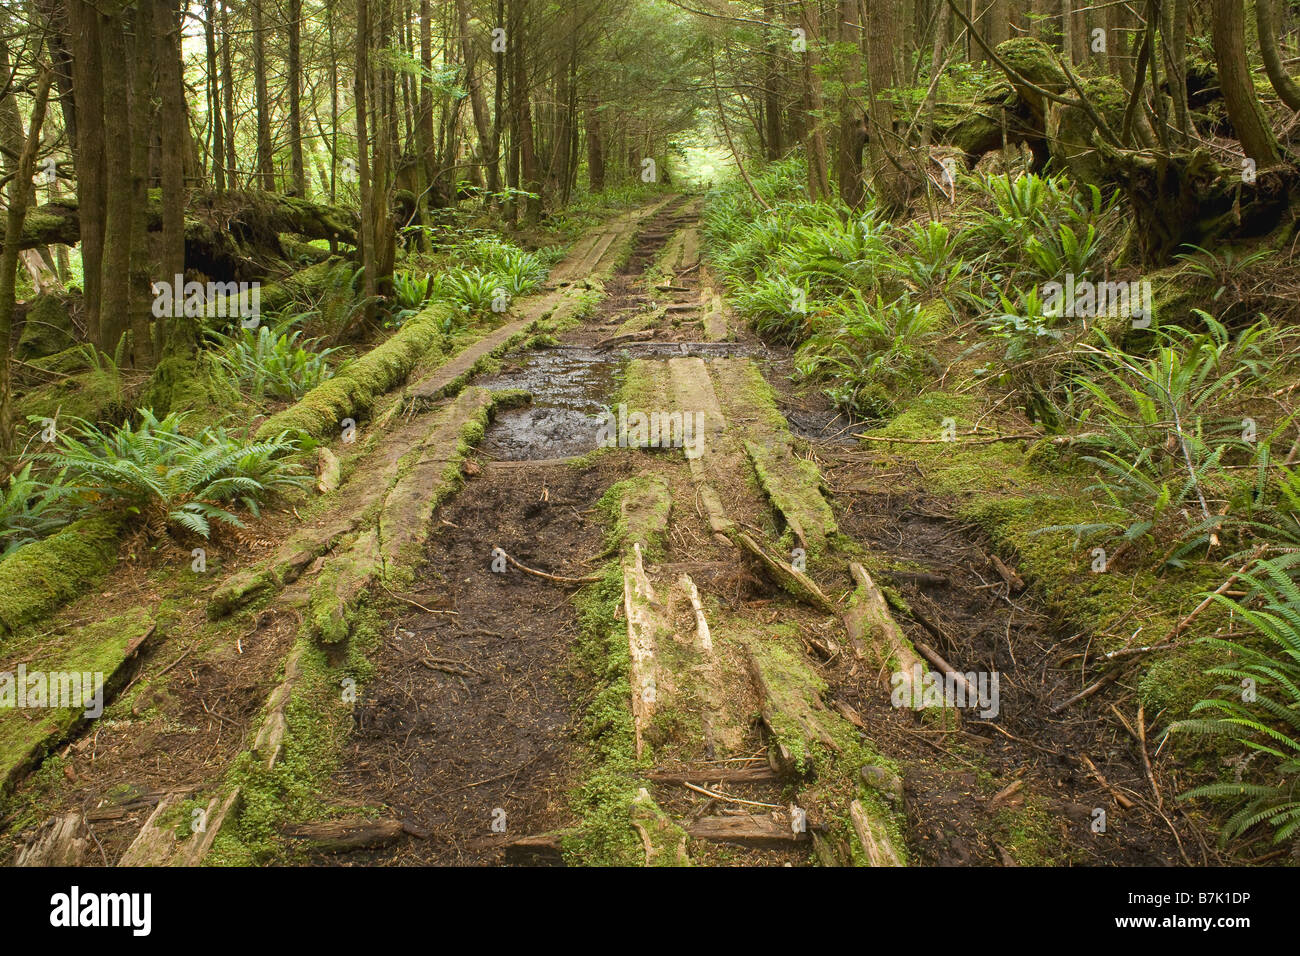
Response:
column 642, row 624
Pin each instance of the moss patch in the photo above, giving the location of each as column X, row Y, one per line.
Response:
column 40, row 576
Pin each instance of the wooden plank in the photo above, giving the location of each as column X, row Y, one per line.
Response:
column 870, row 624
column 748, row 829
column 62, row 840
column 873, row 837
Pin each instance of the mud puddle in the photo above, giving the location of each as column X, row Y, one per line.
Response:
column 570, row 390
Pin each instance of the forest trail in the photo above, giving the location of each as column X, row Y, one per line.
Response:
column 762, row 730
column 599, row 588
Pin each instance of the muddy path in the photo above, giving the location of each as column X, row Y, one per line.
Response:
column 468, row 723
column 764, row 733
column 468, row 728
column 977, row 790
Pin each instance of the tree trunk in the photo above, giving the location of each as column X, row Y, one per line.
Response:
column 815, row 138
column 478, row 102
column 1288, row 90
column 883, row 36
column 115, row 268
column 265, row 161
column 366, row 236
column 89, row 155
column 1174, row 30
column 772, row 85
column 595, row 151
column 853, row 129
column 178, row 336
column 297, row 170
column 1227, row 32
column 143, row 124
column 18, row 197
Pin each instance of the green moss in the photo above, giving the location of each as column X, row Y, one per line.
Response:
column 95, row 395
column 99, row 648
column 319, row 718
column 1033, row 835
column 47, row 328
column 352, row 392
column 40, row 576
column 612, row 777
column 187, row 384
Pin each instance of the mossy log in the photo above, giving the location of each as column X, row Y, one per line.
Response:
column 39, row 577
column 228, row 236
column 1190, row 199
column 352, row 392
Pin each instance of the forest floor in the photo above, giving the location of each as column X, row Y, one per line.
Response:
column 668, row 667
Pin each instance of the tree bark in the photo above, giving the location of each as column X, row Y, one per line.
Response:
column 89, row 156
column 228, row 94
column 815, row 137
column 1288, row 90
column 176, row 336
column 265, row 160
column 18, row 198
column 1228, row 35
column 297, row 170
column 853, row 128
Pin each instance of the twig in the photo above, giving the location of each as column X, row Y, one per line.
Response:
column 729, row 799
column 558, row 578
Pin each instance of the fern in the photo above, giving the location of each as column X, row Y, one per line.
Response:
column 1261, row 709
column 155, row 470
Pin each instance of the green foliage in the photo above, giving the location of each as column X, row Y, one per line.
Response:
column 1226, row 269
column 1166, row 434
column 410, row 290
column 266, row 363
column 157, row 471
column 870, row 352
column 31, row 508
column 1260, row 707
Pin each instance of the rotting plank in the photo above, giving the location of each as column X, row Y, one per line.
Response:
column 642, row 629
column 748, row 829
column 719, row 462
column 868, row 621
column 873, row 837
column 664, row 842
column 715, row 319
column 789, row 705
column 62, row 840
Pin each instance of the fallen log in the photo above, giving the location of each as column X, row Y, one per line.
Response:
column 335, row 836
column 234, row 235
